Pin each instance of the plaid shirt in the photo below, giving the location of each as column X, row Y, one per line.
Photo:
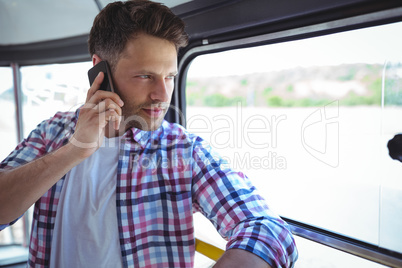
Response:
column 163, row 177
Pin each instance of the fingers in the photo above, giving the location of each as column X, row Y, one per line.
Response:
column 109, row 111
column 108, row 104
column 105, row 111
column 101, row 107
column 112, row 116
column 94, row 95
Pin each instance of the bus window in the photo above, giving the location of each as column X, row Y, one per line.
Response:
column 8, row 132
column 48, row 89
column 8, row 141
column 309, row 121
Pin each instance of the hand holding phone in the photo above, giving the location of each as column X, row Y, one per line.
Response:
column 107, row 83
column 108, row 105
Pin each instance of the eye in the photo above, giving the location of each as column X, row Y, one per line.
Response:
column 170, row 77
column 144, row 76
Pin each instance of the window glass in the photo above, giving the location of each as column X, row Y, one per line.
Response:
column 309, row 121
column 8, row 141
column 48, row 89
column 8, row 133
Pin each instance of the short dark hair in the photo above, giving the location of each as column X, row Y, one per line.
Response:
column 120, row 21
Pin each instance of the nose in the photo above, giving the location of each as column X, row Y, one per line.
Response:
column 161, row 91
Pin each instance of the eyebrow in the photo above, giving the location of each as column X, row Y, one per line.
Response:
column 153, row 73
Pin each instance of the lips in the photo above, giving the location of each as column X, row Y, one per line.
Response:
column 153, row 112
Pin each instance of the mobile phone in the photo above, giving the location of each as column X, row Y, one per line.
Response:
column 107, row 83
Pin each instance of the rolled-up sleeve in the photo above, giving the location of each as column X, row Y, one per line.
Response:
column 241, row 216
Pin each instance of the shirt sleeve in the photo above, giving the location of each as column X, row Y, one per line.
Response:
column 29, row 149
column 241, row 216
column 40, row 141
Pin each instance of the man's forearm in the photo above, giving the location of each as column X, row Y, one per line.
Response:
column 238, row 258
column 23, row 186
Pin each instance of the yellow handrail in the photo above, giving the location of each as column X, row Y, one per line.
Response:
column 208, row 250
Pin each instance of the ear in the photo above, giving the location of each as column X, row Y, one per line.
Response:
column 96, row 59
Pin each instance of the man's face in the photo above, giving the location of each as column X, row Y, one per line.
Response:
column 144, row 80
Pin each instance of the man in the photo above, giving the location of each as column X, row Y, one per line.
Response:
column 115, row 184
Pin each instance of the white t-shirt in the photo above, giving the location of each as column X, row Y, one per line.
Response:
column 86, row 231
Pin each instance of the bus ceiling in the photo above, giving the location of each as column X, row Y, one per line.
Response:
column 39, row 32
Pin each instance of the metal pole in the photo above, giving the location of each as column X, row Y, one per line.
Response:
column 98, row 4
column 18, row 100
